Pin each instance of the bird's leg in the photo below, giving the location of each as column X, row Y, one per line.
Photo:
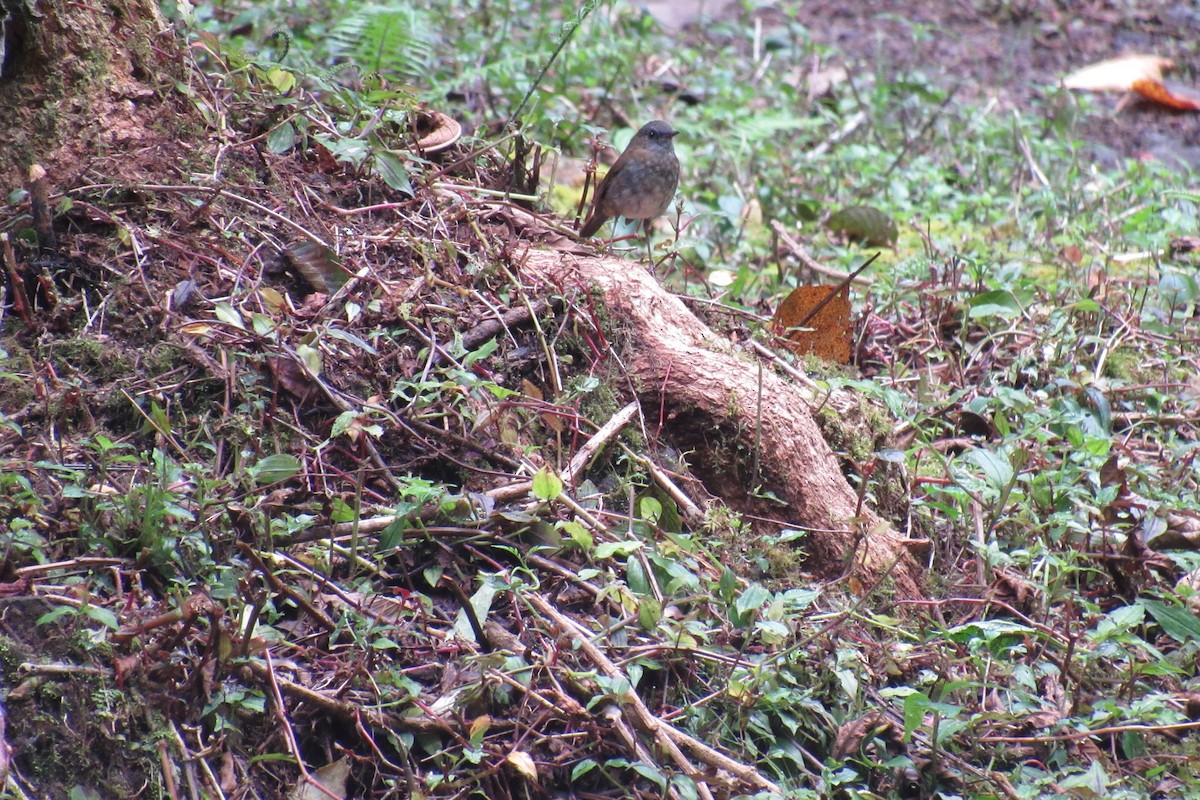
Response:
column 649, row 252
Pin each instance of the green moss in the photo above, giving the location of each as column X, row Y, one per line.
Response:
column 15, row 390
column 857, row 444
column 1127, row 364
column 96, row 359
column 783, row 561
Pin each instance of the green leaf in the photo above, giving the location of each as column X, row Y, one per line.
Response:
column 1180, row 623
column 229, row 315
column 866, row 224
column 54, row 614
column 281, row 79
column 101, row 615
column 728, row 584
column 996, row 467
column 343, row 422
column 610, row 549
column 1093, row 783
column 582, row 768
column 394, row 174
column 481, row 603
column 749, row 602
column 914, row 712
column 275, row 468
column 998, row 303
column 998, row 634
column 393, row 534
column 650, row 509
column 649, row 613
column 310, row 357
column 263, row 325
column 346, row 336
column 349, row 151
column 546, row 485
column 433, row 575
column 650, row 772
column 636, row 579
column 579, row 535
column 282, row 138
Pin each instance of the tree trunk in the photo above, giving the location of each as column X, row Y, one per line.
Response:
column 77, row 81
column 710, row 394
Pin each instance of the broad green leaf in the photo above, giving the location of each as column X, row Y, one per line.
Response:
column 275, row 468
column 281, row 79
column 481, row 603
column 996, row 467
column 1180, row 623
column 998, row 303
column 311, row 358
column 393, row 172
column 610, row 549
column 346, row 336
column 546, row 485
column 582, row 768
column 635, row 577
column 229, row 315
column 282, row 138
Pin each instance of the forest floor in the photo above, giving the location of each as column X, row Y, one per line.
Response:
column 287, row 469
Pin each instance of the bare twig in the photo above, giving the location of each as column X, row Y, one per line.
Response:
column 665, row 735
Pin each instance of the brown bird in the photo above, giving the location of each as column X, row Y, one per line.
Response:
column 641, row 184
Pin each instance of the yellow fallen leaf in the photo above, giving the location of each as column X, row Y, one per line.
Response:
column 524, row 764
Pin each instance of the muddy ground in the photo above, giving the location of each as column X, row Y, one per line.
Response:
column 1013, row 53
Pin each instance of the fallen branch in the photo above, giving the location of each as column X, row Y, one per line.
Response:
column 665, row 736
column 711, row 405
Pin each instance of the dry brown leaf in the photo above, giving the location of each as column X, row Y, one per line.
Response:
column 853, row 734
column 326, row 783
column 1118, row 74
column 827, row 333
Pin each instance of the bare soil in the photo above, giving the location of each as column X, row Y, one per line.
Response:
column 1016, row 54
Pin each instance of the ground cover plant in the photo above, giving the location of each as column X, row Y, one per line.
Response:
column 306, row 481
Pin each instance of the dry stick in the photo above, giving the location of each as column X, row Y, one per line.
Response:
column 485, row 330
column 577, row 464
column 668, row 737
column 403, row 768
column 929, row 123
column 800, row 252
column 213, row 783
column 283, row 589
column 848, row 127
column 1028, row 153
column 688, row 507
column 787, row 368
column 642, row 716
column 421, row 429
column 168, row 772
column 289, row 733
column 556, row 381
column 1075, row 736
column 348, row 712
column 836, row 290
column 591, row 447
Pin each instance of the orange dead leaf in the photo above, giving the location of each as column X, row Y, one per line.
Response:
column 826, row 333
column 1173, row 94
